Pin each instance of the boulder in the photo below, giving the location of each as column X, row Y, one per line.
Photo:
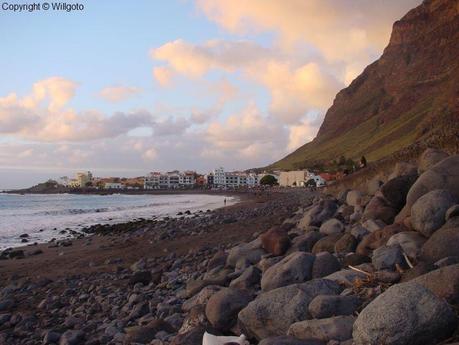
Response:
column 346, row 277
column 333, row 328
column 443, row 243
column 318, row 214
column 218, row 275
column 324, row 265
column 272, row 313
column 358, row 231
column 403, row 168
column 405, row 314
column 373, row 224
column 266, row 263
column 443, row 282
column 305, row 243
column 443, row 175
column 452, row 212
column 331, row 227
column 223, row 307
column 288, row 340
column 386, row 257
column 354, row 259
column 428, row 212
column 72, row 337
column 275, row 241
column 429, row 158
column 219, row 259
column 380, row 208
column 354, row 198
column 248, row 279
column 410, row 241
column 192, row 337
column 201, row 298
column 324, row 306
column 378, row 238
column 294, row 268
column 143, row 277
column 196, row 317
column 396, row 189
column 145, row 334
column 373, row 186
column 326, row 244
column 252, row 252
column 346, row 244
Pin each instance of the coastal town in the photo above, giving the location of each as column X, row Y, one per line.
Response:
column 218, row 179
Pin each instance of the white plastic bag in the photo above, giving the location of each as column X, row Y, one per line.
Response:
column 209, row 339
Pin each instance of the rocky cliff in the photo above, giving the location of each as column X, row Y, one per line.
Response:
column 409, row 97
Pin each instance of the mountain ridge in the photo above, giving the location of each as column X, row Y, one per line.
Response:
column 409, row 96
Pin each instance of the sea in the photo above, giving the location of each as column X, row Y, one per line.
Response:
column 43, row 216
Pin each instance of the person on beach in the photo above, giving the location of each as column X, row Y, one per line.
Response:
column 224, row 201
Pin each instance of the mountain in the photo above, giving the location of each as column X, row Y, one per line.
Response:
column 407, row 99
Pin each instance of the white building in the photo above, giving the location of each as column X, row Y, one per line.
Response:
column 172, row 179
column 83, row 178
column 114, row 185
column 234, row 179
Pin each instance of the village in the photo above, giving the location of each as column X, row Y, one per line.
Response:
column 217, row 179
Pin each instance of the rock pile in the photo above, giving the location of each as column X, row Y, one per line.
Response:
column 356, row 269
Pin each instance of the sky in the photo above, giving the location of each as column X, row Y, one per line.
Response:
column 123, row 88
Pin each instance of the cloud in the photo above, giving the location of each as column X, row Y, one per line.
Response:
column 163, row 75
column 119, row 93
column 295, row 87
column 248, row 133
column 43, row 115
column 339, row 29
column 170, row 126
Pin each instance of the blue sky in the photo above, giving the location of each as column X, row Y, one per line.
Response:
column 124, row 88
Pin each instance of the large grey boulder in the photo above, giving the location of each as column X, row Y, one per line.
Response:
column 334, row 328
column 305, row 243
column 443, row 243
column 325, row 264
column 294, row 268
column 405, row 314
column 331, row 227
column 396, row 189
column 429, row 158
column 428, row 212
column 248, row 279
column 223, row 307
column 252, row 252
column 411, row 242
column 324, row 306
column 443, row 282
column 386, row 257
column 318, row 214
column 272, row 313
column 380, row 208
column 443, row 175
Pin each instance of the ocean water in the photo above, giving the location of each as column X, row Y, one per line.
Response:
column 42, row 216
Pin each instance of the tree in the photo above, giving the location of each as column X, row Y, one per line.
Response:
column 268, row 180
column 363, row 162
column 342, row 160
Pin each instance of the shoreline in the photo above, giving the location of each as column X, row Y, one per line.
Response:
column 121, row 239
column 71, row 232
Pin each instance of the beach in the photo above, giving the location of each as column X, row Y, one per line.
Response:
column 101, row 262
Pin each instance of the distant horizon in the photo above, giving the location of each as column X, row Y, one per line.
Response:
column 131, row 87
